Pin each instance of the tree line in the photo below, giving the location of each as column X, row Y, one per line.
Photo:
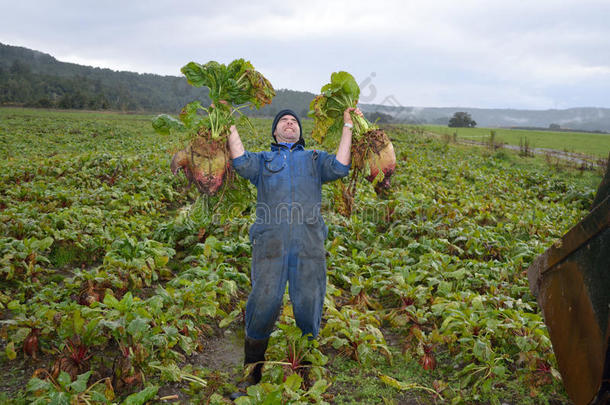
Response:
column 28, row 84
column 34, row 79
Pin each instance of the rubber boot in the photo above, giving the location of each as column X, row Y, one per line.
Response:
column 254, row 353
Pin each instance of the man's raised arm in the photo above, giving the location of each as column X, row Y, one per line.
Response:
column 236, row 147
column 344, row 155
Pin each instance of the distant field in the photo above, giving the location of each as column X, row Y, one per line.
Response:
column 580, row 142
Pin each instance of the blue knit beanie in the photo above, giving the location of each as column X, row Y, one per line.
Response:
column 280, row 115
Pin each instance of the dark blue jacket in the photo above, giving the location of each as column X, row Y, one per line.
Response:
column 289, row 184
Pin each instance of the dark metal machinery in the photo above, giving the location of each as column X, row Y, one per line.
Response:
column 571, row 281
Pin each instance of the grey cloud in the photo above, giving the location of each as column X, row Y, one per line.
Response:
column 483, row 54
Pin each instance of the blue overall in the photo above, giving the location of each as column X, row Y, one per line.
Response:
column 288, row 235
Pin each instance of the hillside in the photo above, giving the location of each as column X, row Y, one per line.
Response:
column 35, row 79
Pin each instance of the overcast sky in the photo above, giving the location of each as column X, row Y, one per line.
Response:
column 469, row 53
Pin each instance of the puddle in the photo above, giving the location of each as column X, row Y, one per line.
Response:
column 223, row 353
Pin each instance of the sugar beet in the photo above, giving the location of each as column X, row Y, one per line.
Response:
column 204, row 162
column 375, row 150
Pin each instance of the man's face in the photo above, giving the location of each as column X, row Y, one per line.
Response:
column 287, row 129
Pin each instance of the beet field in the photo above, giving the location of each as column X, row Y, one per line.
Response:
column 121, row 285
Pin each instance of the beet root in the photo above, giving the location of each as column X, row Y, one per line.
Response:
column 377, row 152
column 30, row 344
column 204, row 162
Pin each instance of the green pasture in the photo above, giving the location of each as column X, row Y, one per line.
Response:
column 590, row 144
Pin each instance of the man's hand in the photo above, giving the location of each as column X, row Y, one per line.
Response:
column 347, row 116
column 234, row 142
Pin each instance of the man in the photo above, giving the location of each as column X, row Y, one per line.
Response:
column 288, row 235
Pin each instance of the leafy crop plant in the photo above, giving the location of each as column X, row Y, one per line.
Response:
column 372, row 152
column 205, row 161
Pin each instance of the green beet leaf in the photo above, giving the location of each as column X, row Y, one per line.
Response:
column 163, row 124
column 80, row 385
column 327, row 109
column 141, row 397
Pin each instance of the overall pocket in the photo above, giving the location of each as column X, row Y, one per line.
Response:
column 274, row 178
column 274, row 164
